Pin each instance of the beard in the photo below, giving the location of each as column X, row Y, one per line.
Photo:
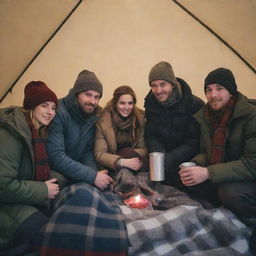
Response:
column 87, row 108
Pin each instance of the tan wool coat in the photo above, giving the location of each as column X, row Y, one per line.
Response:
column 105, row 147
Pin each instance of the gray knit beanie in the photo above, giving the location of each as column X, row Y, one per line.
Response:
column 162, row 71
column 87, row 80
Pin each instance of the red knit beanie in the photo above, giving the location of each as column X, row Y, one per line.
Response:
column 36, row 93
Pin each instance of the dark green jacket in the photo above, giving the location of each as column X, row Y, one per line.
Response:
column 240, row 146
column 19, row 194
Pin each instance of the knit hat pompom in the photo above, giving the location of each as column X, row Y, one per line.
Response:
column 162, row 71
column 36, row 93
column 223, row 77
column 87, row 80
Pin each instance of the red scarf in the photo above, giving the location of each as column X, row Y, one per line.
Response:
column 42, row 170
column 219, row 122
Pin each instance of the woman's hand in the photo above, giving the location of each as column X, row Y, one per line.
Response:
column 53, row 188
column 132, row 163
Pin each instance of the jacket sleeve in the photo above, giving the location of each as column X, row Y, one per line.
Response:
column 244, row 168
column 59, row 160
column 188, row 149
column 104, row 157
column 13, row 187
column 192, row 144
column 201, row 159
column 140, row 147
column 153, row 144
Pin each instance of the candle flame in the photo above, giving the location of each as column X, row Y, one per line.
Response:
column 137, row 198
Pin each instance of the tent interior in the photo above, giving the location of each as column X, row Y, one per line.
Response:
column 53, row 40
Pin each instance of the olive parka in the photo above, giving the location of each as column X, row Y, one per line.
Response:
column 19, row 193
column 240, row 146
column 105, row 147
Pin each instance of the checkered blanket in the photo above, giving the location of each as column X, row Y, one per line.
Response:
column 185, row 230
column 84, row 222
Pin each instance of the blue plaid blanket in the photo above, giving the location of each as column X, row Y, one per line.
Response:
column 85, row 221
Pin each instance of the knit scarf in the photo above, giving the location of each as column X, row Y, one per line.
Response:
column 126, row 129
column 219, row 122
column 42, row 170
column 174, row 98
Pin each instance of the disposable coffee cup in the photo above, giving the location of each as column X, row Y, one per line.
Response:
column 156, row 166
column 187, row 164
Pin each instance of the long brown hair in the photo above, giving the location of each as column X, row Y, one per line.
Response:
column 119, row 91
column 111, row 107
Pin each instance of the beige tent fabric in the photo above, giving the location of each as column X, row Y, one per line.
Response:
column 121, row 40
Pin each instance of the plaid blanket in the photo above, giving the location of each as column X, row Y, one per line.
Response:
column 84, row 222
column 185, row 230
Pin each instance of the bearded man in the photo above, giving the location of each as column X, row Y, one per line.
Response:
column 71, row 135
column 226, row 165
column 170, row 125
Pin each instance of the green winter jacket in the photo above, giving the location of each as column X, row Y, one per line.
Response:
column 19, row 194
column 240, row 146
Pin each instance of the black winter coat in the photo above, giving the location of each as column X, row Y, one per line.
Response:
column 173, row 130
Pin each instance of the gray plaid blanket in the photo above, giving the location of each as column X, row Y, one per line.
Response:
column 185, row 230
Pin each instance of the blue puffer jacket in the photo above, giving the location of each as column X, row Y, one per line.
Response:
column 71, row 140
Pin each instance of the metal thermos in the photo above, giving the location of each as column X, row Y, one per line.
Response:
column 156, row 166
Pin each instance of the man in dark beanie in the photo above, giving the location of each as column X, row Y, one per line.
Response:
column 170, row 126
column 226, row 165
column 71, row 135
column 223, row 77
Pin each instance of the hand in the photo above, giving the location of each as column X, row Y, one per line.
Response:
column 53, row 188
column 102, row 179
column 191, row 176
column 132, row 163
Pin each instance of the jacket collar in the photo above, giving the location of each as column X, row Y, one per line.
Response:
column 152, row 105
column 71, row 104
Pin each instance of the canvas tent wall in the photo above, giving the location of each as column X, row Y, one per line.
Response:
column 52, row 40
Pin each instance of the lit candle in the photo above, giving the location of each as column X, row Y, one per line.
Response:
column 138, row 201
column 137, row 198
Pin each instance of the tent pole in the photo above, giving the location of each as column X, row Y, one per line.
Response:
column 40, row 50
column 216, row 35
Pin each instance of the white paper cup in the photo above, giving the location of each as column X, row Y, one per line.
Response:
column 187, row 164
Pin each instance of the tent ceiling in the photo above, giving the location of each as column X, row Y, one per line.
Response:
column 233, row 20
column 33, row 22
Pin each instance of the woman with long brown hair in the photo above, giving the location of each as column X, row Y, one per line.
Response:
column 119, row 141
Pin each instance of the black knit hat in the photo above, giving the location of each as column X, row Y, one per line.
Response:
column 223, row 77
column 86, row 81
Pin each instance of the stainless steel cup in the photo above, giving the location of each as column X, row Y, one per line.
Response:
column 187, row 164
column 156, row 166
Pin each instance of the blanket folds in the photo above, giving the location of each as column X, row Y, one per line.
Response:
column 87, row 222
column 84, row 222
column 185, row 230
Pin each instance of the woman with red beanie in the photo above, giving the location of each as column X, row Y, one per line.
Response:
column 25, row 183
